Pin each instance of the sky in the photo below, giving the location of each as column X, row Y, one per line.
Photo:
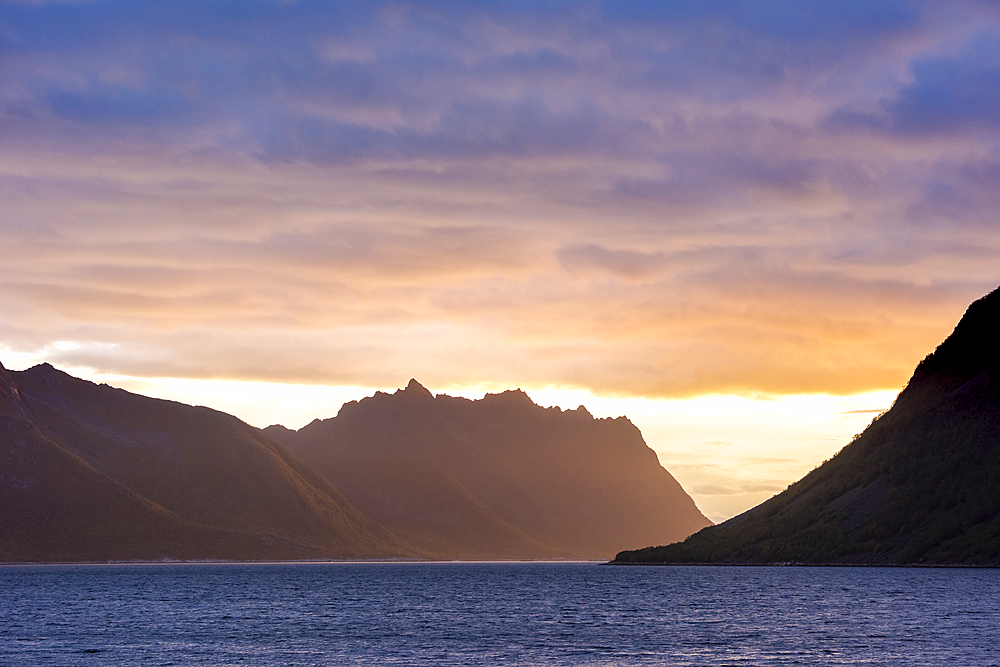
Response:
column 739, row 223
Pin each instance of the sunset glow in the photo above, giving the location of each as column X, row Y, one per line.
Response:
column 729, row 452
column 740, row 224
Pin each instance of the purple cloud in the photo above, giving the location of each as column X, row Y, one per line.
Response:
column 604, row 193
column 948, row 94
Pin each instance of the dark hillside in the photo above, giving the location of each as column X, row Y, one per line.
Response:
column 92, row 472
column 920, row 485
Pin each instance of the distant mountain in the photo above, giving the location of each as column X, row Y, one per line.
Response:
column 498, row 477
column 920, row 485
column 90, row 472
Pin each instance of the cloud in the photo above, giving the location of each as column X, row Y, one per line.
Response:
column 622, row 263
column 640, row 198
column 107, row 105
column 747, row 487
column 948, row 94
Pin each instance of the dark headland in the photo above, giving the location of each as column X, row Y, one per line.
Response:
column 920, row 486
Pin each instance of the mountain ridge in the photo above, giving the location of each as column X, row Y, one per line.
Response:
column 172, row 481
column 557, row 478
column 93, row 472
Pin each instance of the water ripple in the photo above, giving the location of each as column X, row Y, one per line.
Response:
column 528, row 614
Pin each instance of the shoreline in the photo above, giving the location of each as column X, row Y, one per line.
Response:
column 322, row 561
column 797, row 564
column 417, row 561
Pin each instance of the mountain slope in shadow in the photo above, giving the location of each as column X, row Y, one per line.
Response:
column 921, row 485
column 523, row 480
column 90, row 472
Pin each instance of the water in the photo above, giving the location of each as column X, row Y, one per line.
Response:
column 495, row 614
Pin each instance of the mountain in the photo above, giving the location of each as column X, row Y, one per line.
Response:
column 499, row 477
column 90, row 472
column 921, row 485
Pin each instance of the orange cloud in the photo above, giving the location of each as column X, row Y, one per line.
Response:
column 614, row 197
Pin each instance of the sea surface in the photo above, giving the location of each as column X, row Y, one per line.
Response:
column 472, row 614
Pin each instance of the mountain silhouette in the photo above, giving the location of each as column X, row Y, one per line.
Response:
column 90, row 472
column 499, row 477
column 921, row 485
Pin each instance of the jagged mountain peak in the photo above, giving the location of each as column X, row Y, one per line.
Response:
column 415, row 389
column 510, row 397
column 45, row 368
column 548, row 481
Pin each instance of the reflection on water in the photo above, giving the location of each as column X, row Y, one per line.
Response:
column 496, row 614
